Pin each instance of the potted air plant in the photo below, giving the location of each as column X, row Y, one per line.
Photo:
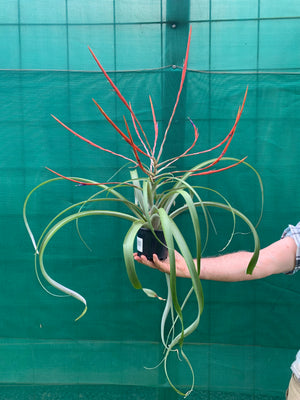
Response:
column 155, row 185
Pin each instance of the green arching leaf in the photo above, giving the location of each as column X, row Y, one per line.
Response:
column 105, row 189
column 149, row 193
column 257, row 175
column 183, row 209
column 167, row 199
column 171, row 231
column 119, row 198
column 173, row 193
column 25, row 208
column 137, row 188
column 51, row 233
column 146, row 204
column 174, row 320
column 184, row 250
column 128, row 254
column 132, row 206
column 29, row 196
column 151, row 213
column 168, row 308
column 168, row 234
column 36, row 264
column 261, row 191
column 175, row 233
column 196, row 225
column 65, row 211
column 255, row 255
column 92, row 199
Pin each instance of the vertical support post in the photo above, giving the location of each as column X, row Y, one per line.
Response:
column 176, row 36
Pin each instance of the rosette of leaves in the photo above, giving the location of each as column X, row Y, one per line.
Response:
column 155, row 185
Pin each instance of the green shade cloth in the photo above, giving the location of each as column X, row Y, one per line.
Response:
column 248, row 334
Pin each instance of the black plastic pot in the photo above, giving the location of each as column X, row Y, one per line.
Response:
column 147, row 244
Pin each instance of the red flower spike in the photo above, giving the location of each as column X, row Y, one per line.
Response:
column 90, row 142
column 222, row 153
column 231, row 133
column 212, row 148
column 186, row 151
column 239, row 113
column 155, row 127
column 139, row 136
column 111, row 122
column 118, row 129
column 214, row 171
column 73, row 180
column 185, row 154
column 134, row 149
column 178, row 94
column 82, row 182
column 119, row 94
column 109, row 80
column 196, row 133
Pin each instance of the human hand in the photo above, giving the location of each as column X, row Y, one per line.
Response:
column 164, row 265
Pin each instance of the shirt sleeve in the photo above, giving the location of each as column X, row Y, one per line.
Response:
column 294, row 232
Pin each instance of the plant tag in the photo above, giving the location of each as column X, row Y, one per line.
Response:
column 139, row 244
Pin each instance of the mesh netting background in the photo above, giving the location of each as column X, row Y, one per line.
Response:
column 248, row 335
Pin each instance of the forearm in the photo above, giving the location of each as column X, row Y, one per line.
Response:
column 277, row 258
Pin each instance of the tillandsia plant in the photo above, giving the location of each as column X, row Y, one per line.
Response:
column 155, row 184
